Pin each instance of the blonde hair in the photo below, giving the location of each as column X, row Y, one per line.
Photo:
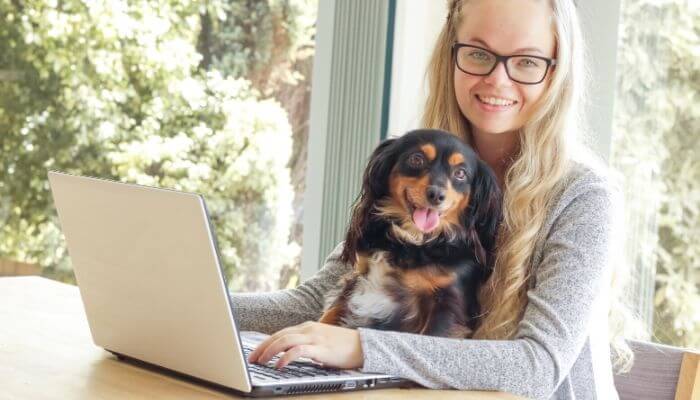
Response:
column 535, row 177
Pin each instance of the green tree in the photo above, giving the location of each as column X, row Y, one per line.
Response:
column 258, row 40
column 114, row 89
column 271, row 44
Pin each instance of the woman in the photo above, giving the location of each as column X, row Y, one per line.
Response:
column 544, row 333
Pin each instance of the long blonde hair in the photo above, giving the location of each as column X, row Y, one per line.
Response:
column 533, row 180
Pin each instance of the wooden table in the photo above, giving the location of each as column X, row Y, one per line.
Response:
column 46, row 352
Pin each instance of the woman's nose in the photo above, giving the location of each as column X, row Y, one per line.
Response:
column 499, row 76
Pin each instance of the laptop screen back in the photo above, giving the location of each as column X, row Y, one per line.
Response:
column 149, row 276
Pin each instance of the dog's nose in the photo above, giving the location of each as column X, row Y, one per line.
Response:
column 436, row 195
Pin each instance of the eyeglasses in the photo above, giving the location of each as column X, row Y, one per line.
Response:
column 521, row 68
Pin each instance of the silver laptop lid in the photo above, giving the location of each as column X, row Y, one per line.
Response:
column 149, row 276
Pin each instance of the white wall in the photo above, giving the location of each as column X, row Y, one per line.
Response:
column 418, row 23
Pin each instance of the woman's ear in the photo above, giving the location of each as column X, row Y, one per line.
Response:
column 375, row 185
column 484, row 214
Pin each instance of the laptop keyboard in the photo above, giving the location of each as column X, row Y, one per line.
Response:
column 293, row 370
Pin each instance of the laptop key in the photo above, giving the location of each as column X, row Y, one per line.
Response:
column 296, row 369
column 272, row 372
column 263, row 372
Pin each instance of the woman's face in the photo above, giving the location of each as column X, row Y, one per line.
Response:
column 504, row 27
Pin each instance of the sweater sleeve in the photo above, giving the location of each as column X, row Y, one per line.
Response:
column 268, row 312
column 552, row 333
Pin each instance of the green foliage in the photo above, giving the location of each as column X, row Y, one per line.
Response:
column 114, row 89
column 271, row 43
column 657, row 147
column 260, row 40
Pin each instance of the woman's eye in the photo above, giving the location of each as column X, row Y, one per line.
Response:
column 460, row 174
column 479, row 55
column 416, row 160
column 528, row 62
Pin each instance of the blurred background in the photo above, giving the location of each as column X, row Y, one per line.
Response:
column 214, row 97
column 209, row 97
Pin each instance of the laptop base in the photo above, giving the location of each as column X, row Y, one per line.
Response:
column 279, row 389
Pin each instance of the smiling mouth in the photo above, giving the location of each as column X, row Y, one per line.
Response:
column 495, row 101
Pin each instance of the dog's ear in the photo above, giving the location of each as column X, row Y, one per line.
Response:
column 484, row 214
column 375, row 185
column 375, row 179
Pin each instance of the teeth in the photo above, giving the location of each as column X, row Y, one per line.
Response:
column 496, row 101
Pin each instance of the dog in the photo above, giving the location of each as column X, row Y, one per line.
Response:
column 421, row 239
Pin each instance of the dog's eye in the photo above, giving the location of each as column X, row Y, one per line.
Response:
column 460, row 174
column 416, row 160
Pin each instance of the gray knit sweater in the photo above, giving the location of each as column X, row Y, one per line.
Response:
column 561, row 350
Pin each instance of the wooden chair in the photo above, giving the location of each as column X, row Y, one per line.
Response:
column 660, row 372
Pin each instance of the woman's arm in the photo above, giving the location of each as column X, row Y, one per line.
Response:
column 271, row 311
column 569, row 295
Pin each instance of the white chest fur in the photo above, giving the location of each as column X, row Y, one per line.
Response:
column 369, row 301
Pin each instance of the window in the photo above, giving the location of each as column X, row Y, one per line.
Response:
column 211, row 99
column 656, row 147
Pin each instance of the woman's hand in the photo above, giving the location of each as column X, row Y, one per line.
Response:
column 333, row 346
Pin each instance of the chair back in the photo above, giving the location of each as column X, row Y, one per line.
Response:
column 660, row 372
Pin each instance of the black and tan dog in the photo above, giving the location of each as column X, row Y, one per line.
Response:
column 421, row 238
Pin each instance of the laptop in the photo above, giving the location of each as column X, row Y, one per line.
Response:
column 150, row 278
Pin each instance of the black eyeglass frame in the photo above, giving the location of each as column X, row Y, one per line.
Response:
column 551, row 62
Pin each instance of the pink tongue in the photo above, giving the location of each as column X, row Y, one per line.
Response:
column 426, row 219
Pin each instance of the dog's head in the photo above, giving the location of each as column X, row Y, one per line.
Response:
column 428, row 184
